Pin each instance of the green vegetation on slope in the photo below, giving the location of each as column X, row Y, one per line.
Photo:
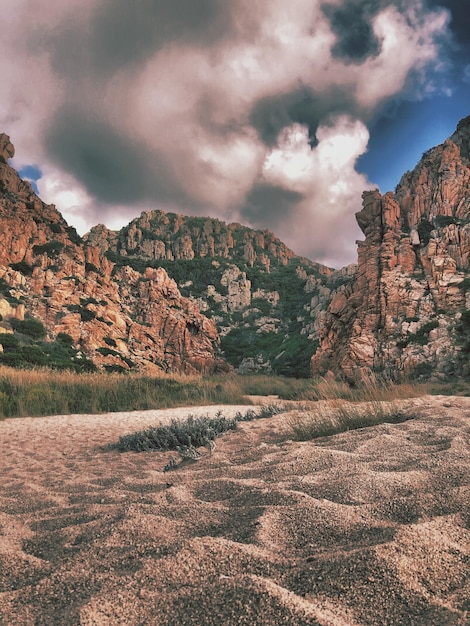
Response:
column 25, row 347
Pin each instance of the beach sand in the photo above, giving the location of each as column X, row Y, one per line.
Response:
column 362, row 528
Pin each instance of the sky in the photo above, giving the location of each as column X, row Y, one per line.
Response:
column 272, row 113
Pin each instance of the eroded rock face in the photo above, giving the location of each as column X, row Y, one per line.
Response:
column 401, row 311
column 117, row 318
column 248, row 281
column 168, row 236
column 7, row 150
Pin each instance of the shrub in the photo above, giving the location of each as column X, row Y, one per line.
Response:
column 85, row 301
column 422, row 370
column 51, row 248
column 22, row 267
column 9, row 342
column 445, row 220
column 85, row 314
column 74, row 236
column 465, row 284
column 115, row 369
column 29, row 326
column 465, row 320
column 191, row 432
column 4, row 286
column 267, row 410
column 421, row 337
column 425, row 229
column 90, row 267
column 107, row 352
column 65, row 338
column 55, row 227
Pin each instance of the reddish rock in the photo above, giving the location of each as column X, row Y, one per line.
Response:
column 71, row 287
column 415, row 255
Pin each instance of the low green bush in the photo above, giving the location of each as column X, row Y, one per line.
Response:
column 9, row 342
column 425, row 229
column 24, row 268
column 107, row 352
column 465, row 284
column 192, row 432
column 445, row 220
column 73, row 235
column 86, row 315
column 421, row 336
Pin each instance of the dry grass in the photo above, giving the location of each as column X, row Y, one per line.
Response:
column 372, row 389
column 44, row 392
column 339, row 408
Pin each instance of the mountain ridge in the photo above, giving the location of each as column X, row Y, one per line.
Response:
column 247, row 280
column 194, row 294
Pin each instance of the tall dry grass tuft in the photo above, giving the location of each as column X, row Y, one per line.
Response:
column 339, row 408
column 371, row 389
column 41, row 391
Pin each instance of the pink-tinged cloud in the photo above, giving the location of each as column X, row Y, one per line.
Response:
column 253, row 112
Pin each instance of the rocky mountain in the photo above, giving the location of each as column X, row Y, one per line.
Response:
column 63, row 303
column 178, row 293
column 407, row 308
column 263, row 298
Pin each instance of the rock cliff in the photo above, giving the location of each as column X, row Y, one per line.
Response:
column 176, row 293
column 406, row 309
column 263, row 298
column 113, row 317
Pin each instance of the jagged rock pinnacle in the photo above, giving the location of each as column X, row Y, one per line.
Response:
column 7, row 149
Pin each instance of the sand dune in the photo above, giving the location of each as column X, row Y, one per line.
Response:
column 362, row 528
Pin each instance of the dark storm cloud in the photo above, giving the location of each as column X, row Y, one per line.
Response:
column 351, row 22
column 459, row 11
column 110, row 166
column 277, row 202
column 302, row 106
column 122, row 33
column 254, row 110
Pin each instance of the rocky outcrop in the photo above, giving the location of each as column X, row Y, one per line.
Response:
column 115, row 316
column 160, row 236
column 247, row 281
column 7, row 150
column 401, row 311
column 160, row 292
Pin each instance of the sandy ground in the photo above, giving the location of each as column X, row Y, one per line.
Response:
column 362, row 528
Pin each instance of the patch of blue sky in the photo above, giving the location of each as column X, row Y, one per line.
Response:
column 32, row 174
column 399, row 138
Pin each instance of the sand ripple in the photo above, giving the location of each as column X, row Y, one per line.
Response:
column 365, row 528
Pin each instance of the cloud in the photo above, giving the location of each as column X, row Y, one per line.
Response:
column 255, row 112
column 350, row 21
column 120, row 34
column 320, row 188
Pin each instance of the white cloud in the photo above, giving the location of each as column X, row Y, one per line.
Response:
column 329, row 182
column 406, row 45
column 69, row 198
column 189, row 103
